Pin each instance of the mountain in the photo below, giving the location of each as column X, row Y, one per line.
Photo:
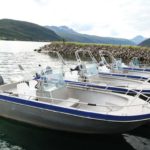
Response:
column 138, row 39
column 21, row 30
column 145, row 43
column 62, row 29
column 71, row 35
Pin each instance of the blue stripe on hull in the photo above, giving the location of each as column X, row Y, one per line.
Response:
column 136, row 69
column 74, row 112
column 124, row 75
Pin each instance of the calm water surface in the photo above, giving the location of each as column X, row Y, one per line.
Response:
column 20, row 136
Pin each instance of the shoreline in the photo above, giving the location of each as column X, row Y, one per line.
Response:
column 67, row 49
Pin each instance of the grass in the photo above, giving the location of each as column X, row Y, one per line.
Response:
column 95, row 44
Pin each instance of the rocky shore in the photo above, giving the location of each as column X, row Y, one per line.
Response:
column 124, row 52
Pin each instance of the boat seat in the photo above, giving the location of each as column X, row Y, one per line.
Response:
column 70, row 102
column 32, row 84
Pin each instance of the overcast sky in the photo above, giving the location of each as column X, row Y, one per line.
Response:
column 115, row 18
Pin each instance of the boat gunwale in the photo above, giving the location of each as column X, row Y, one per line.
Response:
column 132, row 77
column 109, row 88
column 73, row 111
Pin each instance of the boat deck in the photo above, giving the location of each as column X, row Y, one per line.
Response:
column 81, row 99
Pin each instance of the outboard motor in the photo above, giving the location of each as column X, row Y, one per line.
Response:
column 1, row 80
column 81, row 72
column 77, row 68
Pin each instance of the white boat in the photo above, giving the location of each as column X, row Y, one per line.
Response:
column 118, row 67
column 88, row 72
column 51, row 103
column 135, row 64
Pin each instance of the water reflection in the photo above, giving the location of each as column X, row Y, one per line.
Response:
column 139, row 138
column 33, row 138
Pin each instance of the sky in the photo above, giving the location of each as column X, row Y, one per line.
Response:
column 109, row 18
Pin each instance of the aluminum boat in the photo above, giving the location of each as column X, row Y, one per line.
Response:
column 51, row 103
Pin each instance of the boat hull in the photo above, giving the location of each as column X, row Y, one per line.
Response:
column 137, row 69
column 54, row 119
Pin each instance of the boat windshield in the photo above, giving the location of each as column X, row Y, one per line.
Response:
column 92, row 69
column 52, row 78
column 117, row 64
column 134, row 62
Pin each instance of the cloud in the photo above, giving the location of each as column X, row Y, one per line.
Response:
column 82, row 27
column 136, row 15
column 114, row 33
column 118, row 18
column 42, row 2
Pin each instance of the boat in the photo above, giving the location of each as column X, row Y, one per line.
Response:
column 51, row 103
column 116, row 66
column 88, row 72
column 136, row 65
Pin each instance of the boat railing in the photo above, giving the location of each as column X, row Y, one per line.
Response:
column 103, row 53
column 85, row 51
column 129, row 90
column 58, row 55
column 87, row 81
column 147, row 80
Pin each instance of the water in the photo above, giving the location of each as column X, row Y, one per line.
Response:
column 20, row 136
column 15, row 53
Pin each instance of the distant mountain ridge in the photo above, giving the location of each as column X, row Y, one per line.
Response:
column 145, row 43
column 138, row 39
column 21, row 30
column 62, row 29
column 70, row 35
